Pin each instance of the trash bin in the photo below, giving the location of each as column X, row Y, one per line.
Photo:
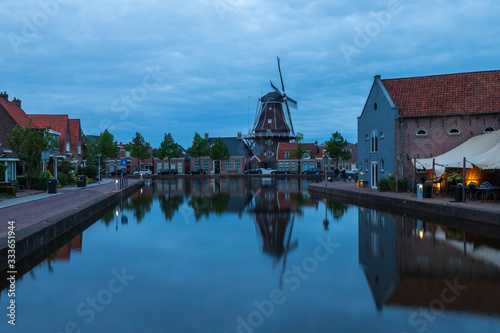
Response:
column 52, row 186
column 81, row 181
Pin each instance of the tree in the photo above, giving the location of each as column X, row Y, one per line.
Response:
column 219, row 150
column 199, row 147
column 335, row 148
column 300, row 152
column 105, row 145
column 168, row 148
column 28, row 143
column 140, row 148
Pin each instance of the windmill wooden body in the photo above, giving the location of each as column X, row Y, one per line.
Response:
column 272, row 124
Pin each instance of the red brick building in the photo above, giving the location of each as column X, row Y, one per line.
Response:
column 133, row 163
column 421, row 117
column 285, row 160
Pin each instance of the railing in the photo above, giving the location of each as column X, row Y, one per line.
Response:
column 268, row 134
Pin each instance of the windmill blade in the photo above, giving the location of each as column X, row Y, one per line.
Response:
column 281, row 77
column 277, row 90
column 257, row 115
column 293, row 103
column 289, row 116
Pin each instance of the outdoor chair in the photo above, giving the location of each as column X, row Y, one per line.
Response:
column 16, row 184
column 473, row 191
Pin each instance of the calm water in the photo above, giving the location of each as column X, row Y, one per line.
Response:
column 260, row 256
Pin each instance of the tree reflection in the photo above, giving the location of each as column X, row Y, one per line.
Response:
column 337, row 209
column 170, row 205
column 200, row 206
column 140, row 205
column 220, row 202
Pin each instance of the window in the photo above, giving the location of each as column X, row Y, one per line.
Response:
column 366, row 137
column 374, row 141
column 127, row 154
column 197, row 165
column 280, row 165
column 286, row 165
column 293, row 166
column 381, row 164
column 237, row 165
column 381, row 135
column 228, row 165
column 366, row 165
column 158, row 167
column 454, row 131
column 287, row 154
column 375, row 106
column 79, row 150
column 421, row 132
column 205, row 165
column 269, row 121
column 67, row 146
column 488, row 129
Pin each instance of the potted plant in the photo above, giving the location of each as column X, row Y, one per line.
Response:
column 427, row 189
column 455, row 178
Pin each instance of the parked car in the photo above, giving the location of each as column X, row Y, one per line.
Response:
column 117, row 173
column 143, row 172
column 281, row 171
column 353, row 174
column 197, row 172
column 313, row 171
column 254, row 171
column 168, row 172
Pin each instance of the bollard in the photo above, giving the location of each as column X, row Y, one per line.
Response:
column 117, row 185
column 420, row 190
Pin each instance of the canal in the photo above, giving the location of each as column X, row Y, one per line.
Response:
column 260, row 255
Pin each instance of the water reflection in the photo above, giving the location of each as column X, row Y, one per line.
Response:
column 408, row 262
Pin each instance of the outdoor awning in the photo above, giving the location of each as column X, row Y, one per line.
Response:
column 482, row 151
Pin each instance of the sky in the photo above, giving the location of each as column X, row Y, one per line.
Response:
column 181, row 67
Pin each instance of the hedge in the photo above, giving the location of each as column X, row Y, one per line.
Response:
column 9, row 190
column 40, row 184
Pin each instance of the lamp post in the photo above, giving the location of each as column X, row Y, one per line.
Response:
column 325, row 163
column 99, row 156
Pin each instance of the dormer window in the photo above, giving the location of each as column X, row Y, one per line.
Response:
column 454, row 131
column 421, row 132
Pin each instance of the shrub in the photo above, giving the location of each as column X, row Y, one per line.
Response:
column 40, row 184
column 8, row 191
column 383, row 185
column 389, row 184
column 402, row 184
column 90, row 171
column 3, row 167
column 63, row 179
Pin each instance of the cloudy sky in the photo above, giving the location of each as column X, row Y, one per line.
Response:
column 190, row 66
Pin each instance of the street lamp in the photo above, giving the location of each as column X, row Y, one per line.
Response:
column 99, row 156
column 325, row 163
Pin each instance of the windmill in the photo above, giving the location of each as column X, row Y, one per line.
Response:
column 272, row 124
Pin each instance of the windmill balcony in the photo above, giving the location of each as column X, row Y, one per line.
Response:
column 268, row 134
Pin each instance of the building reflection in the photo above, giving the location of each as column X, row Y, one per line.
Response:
column 410, row 263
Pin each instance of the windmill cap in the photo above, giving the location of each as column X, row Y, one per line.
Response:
column 272, row 97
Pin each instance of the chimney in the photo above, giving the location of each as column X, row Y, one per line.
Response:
column 239, row 135
column 206, row 136
column 4, row 96
column 17, row 101
column 316, row 143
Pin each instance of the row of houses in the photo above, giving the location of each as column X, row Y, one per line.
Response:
column 68, row 132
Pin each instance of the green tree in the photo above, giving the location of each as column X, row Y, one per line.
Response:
column 3, row 167
column 168, row 149
column 300, row 151
column 335, row 148
column 140, row 148
column 28, row 143
column 199, row 148
column 219, row 150
column 105, row 145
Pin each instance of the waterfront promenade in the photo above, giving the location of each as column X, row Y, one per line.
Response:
column 32, row 209
column 487, row 212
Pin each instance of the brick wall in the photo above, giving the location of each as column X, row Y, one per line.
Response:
column 438, row 141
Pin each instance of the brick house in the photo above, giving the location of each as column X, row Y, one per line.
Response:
column 133, row 165
column 421, row 117
column 286, row 161
column 347, row 165
column 60, row 124
column 239, row 152
column 76, row 134
column 181, row 164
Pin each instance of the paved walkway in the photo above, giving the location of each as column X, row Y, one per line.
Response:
column 492, row 206
column 31, row 209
